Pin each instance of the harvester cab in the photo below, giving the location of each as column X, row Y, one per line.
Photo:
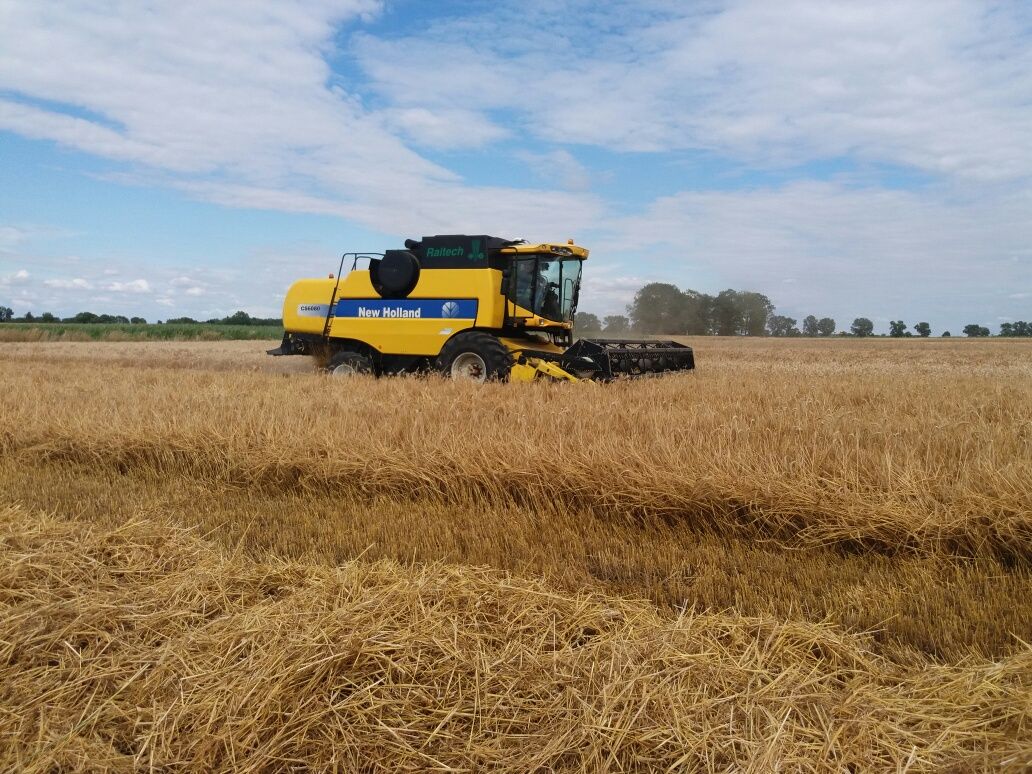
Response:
column 476, row 307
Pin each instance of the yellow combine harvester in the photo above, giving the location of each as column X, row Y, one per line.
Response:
column 475, row 307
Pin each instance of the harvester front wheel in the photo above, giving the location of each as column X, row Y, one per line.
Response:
column 348, row 363
column 476, row 355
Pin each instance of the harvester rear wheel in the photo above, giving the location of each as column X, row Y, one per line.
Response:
column 475, row 355
column 348, row 363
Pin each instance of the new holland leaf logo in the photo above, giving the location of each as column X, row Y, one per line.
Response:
column 474, row 251
column 450, row 309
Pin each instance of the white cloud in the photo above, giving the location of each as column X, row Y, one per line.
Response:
column 14, row 237
column 189, row 286
column 14, row 278
column 944, row 86
column 76, row 283
column 11, row 236
column 133, row 286
column 234, row 77
column 255, row 284
column 558, row 168
column 604, row 292
column 852, row 251
column 236, row 104
column 445, row 128
column 420, row 207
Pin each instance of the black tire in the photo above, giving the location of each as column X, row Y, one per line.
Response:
column 475, row 355
column 346, row 362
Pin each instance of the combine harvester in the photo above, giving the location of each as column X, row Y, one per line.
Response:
column 474, row 307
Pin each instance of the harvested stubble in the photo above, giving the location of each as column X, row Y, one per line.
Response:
column 762, row 484
column 142, row 647
column 922, row 604
column 178, row 355
column 857, row 455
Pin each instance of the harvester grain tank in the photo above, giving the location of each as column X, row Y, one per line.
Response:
column 475, row 307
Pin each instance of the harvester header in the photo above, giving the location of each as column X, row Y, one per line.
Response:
column 476, row 307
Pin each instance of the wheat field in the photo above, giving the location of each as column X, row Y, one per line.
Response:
column 813, row 555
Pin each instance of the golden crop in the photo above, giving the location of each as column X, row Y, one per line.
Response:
column 829, row 542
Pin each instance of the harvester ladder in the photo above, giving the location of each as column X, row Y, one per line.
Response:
column 336, row 285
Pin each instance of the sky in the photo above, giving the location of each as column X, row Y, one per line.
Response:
column 193, row 157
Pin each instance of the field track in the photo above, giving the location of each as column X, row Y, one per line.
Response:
column 839, row 531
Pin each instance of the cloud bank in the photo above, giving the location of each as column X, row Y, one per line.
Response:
column 923, row 110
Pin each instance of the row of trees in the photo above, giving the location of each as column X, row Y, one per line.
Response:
column 660, row 307
column 898, row 329
column 1015, row 329
column 663, row 308
column 6, row 315
column 657, row 308
column 237, row 318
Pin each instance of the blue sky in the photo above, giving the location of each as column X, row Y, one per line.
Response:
column 847, row 159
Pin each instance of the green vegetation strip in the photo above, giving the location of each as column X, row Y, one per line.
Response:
column 136, row 332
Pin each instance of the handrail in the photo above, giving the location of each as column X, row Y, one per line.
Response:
column 336, row 285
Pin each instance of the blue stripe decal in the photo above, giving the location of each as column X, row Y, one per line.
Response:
column 413, row 308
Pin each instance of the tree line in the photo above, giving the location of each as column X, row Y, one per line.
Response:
column 89, row 318
column 662, row 308
column 658, row 307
